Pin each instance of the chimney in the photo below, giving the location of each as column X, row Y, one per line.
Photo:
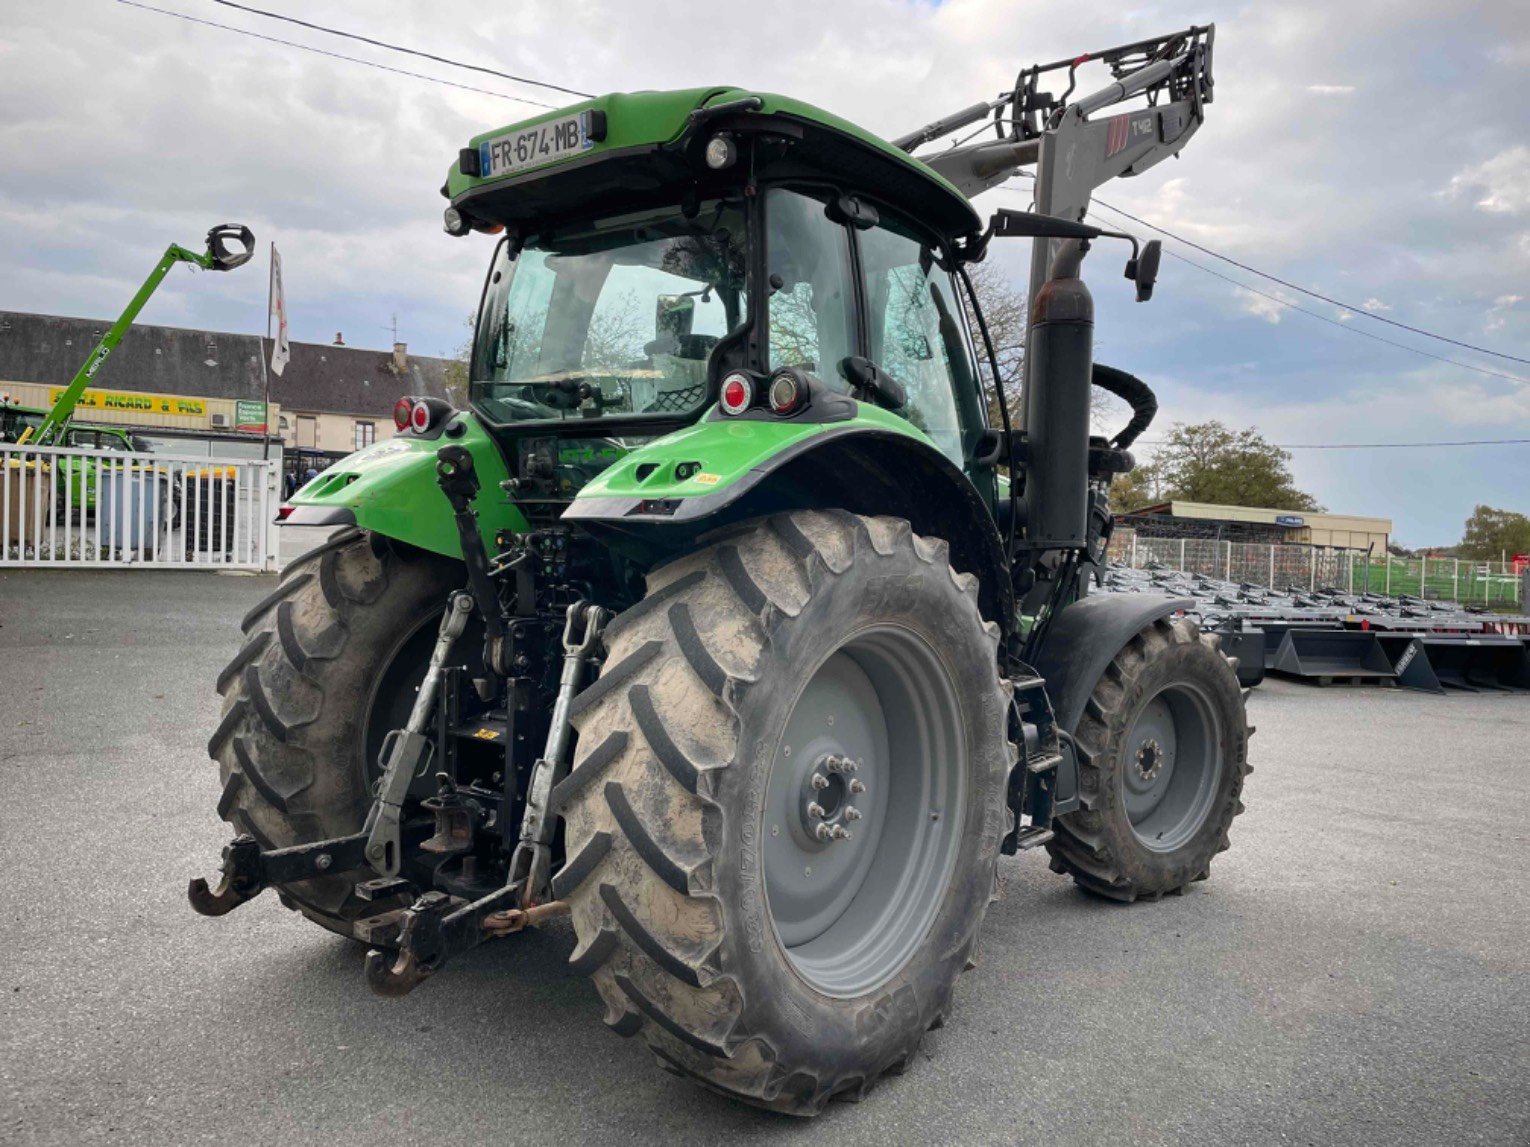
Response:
column 339, row 340
column 400, row 358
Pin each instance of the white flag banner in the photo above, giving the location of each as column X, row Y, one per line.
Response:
column 280, row 351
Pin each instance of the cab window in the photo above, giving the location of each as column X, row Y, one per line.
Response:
column 811, row 306
column 914, row 330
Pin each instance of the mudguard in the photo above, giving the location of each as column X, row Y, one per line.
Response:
column 1086, row 638
column 390, row 488
column 721, row 470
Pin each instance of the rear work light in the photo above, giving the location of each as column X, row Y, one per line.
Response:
column 788, row 392
column 737, row 393
column 402, row 409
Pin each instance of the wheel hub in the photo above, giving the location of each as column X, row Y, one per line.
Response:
column 825, row 812
column 1149, row 759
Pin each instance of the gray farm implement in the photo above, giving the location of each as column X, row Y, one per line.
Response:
column 1329, row 635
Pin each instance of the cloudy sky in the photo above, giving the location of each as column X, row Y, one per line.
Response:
column 1375, row 150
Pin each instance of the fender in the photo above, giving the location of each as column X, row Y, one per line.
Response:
column 1086, row 638
column 659, row 499
column 390, row 488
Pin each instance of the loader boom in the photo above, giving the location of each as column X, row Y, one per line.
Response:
column 217, row 257
column 1072, row 148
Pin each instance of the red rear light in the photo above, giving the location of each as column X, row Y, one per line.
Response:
column 401, row 412
column 283, row 513
column 737, row 393
column 419, row 418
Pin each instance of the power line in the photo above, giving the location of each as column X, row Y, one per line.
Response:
column 1311, row 293
column 1345, row 326
column 332, row 55
column 1354, row 330
column 401, row 48
column 1379, row 445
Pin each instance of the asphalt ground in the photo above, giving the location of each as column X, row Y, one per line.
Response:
column 1356, row 970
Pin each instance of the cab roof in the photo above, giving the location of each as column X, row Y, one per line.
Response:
column 640, row 147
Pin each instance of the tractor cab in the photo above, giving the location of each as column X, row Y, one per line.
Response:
column 654, row 245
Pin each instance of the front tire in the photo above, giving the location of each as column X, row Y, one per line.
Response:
column 752, row 955
column 1163, row 753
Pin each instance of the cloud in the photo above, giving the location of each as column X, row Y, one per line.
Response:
column 1331, row 89
column 1374, row 306
column 1496, row 316
column 1260, row 306
column 1501, row 184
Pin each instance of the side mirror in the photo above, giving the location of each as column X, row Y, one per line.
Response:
column 674, row 315
column 1144, row 271
column 1007, row 224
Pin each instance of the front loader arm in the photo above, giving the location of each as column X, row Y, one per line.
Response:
column 1072, row 152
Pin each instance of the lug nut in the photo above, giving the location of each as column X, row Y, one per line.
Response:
column 823, row 832
column 852, row 813
column 857, row 787
column 815, row 809
column 819, row 781
column 840, row 832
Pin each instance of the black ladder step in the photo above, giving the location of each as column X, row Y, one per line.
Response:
column 1030, row 836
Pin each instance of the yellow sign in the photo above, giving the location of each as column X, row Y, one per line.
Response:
column 136, row 403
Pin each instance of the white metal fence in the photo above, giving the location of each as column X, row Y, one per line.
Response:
column 1310, row 568
column 88, row 509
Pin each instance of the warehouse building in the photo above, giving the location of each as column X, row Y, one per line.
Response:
column 203, row 392
column 1264, row 526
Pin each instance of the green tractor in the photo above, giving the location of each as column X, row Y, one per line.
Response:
column 724, row 622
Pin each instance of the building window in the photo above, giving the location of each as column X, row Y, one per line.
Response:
column 366, row 434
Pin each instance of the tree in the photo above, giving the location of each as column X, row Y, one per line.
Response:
column 1490, row 534
column 1133, row 491
column 1008, row 316
column 1209, row 462
column 459, row 368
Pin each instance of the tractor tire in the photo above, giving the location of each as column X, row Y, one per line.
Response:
column 691, row 837
column 1163, row 752
column 329, row 662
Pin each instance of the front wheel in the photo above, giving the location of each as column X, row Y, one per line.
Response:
column 1163, row 752
column 786, row 806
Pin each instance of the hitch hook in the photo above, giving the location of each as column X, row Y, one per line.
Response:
column 239, row 880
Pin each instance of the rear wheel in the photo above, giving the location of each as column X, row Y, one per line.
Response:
column 786, row 806
column 1163, row 752
column 329, row 664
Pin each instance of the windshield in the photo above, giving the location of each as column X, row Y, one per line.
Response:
column 611, row 321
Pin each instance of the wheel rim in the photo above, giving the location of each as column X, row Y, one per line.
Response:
column 1172, row 767
column 878, row 726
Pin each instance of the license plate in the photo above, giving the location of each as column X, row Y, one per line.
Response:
column 532, row 146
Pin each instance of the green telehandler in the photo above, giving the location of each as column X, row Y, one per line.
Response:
column 723, row 622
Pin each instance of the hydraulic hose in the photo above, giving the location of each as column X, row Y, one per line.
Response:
column 1135, row 393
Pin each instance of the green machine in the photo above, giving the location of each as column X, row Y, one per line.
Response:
column 229, row 245
column 724, row 621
